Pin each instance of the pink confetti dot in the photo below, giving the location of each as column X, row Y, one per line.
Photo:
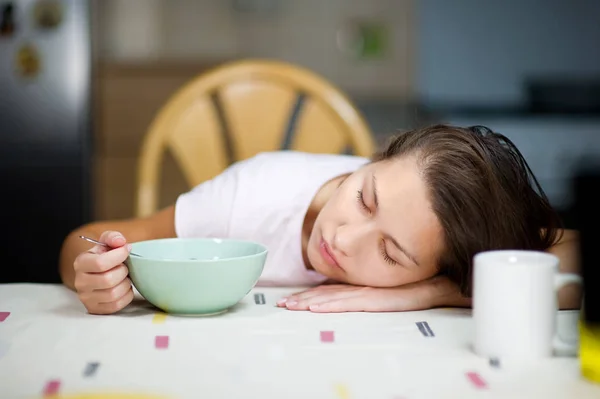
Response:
column 327, row 336
column 476, row 380
column 161, row 342
column 52, row 388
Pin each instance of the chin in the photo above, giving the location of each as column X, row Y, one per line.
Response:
column 314, row 259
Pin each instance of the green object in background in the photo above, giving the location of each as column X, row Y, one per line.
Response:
column 195, row 276
column 374, row 38
column 364, row 39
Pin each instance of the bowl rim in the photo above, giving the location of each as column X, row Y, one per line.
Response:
column 264, row 249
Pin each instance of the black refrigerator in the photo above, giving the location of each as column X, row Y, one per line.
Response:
column 45, row 133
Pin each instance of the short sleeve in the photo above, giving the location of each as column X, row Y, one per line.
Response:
column 205, row 211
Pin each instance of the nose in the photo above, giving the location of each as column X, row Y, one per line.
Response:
column 349, row 237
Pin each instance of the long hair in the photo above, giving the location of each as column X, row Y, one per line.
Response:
column 482, row 191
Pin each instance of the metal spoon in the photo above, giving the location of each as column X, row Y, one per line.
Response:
column 103, row 244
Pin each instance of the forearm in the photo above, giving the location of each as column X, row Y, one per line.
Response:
column 445, row 293
column 567, row 250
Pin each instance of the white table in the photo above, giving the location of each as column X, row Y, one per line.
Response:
column 49, row 343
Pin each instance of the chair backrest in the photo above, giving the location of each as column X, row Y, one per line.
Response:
column 239, row 110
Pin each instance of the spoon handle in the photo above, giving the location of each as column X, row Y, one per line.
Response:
column 93, row 241
column 101, row 243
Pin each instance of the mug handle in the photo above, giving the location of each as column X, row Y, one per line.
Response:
column 560, row 280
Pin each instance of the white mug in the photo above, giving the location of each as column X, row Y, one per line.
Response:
column 515, row 304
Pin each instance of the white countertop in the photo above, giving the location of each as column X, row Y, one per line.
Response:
column 49, row 343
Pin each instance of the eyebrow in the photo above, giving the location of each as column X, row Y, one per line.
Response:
column 392, row 239
column 375, row 198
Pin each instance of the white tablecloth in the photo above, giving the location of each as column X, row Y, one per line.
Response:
column 48, row 343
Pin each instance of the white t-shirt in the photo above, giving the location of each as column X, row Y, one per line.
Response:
column 264, row 199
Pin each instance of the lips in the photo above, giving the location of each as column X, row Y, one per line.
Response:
column 327, row 254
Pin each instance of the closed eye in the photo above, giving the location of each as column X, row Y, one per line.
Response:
column 361, row 201
column 385, row 255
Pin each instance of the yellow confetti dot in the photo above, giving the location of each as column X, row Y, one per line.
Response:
column 159, row 318
column 342, row 392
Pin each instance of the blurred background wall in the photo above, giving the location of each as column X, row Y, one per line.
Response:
column 529, row 69
column 149, row 48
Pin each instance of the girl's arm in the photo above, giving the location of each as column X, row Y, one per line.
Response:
column 567, row 250
column 438, row 291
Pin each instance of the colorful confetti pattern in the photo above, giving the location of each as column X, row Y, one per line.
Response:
column 260, row 344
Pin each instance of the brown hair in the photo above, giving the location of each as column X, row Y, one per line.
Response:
column 482, row 191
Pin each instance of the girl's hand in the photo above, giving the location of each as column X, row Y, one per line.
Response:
column 101, row 278
column 435, row 292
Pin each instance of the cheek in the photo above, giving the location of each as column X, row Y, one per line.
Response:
column 334, row 209
column 344, row 202
column 425, row 273
column 377, row 273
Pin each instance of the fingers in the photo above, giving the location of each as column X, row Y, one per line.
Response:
column 294, row 298
column 307, row 301
column 108, row 260
column 89, row 262
column 360, row 300
column 348, row 304
column 101, row 277
column 97, row 281
column 111, row 307
column 106, row 295
column 330, row 287
column 348, row 298
column 313, row 292
column 113, row 239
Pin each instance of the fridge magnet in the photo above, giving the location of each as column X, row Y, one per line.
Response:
column 7, row 20
column 47, row 14
column 28, row 63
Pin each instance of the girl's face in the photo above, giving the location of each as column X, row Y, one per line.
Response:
column 378, row 228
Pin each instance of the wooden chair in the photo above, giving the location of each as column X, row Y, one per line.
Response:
column 243, row 108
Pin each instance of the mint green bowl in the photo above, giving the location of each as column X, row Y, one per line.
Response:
column 195, row 276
